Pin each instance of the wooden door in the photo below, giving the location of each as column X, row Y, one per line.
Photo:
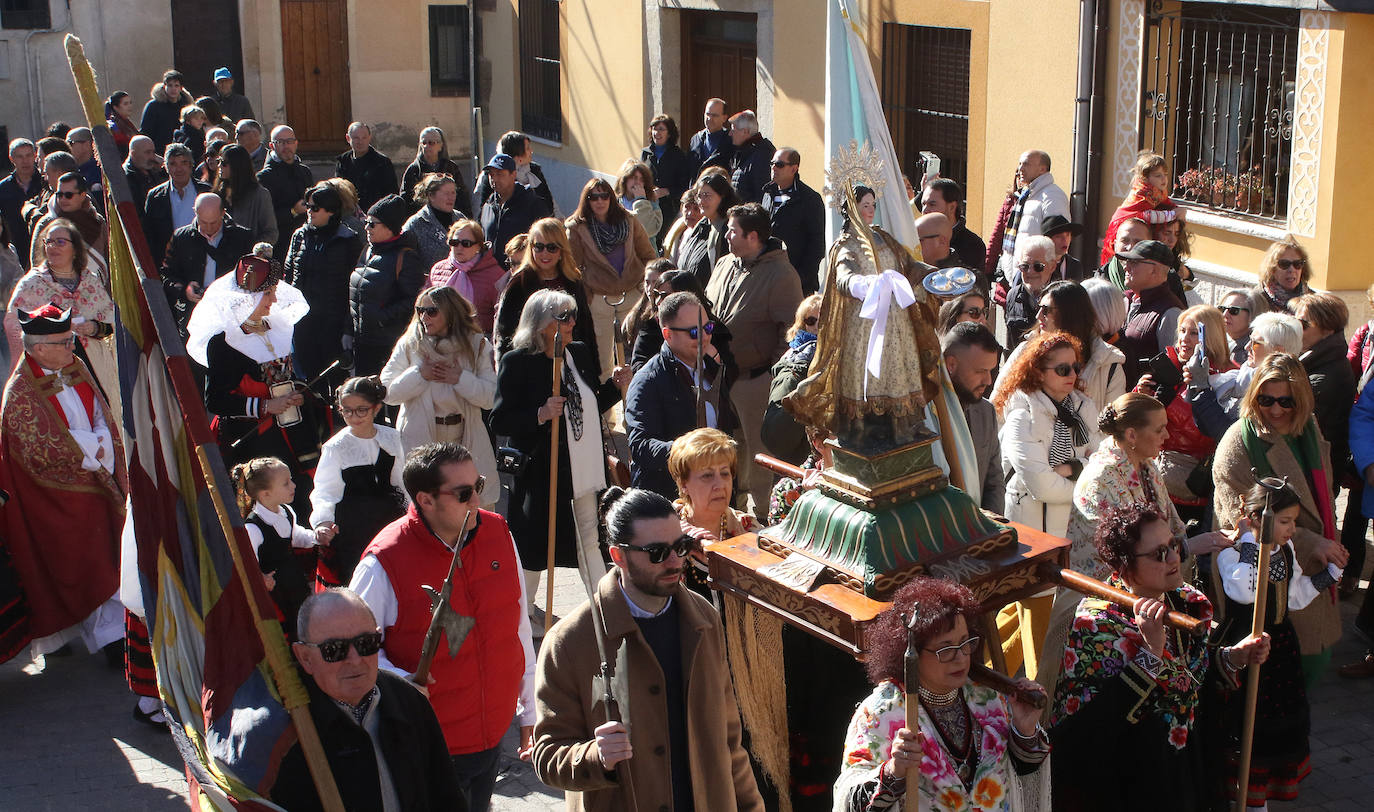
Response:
column 206, row 37
column 719, row 57
column 314, row 39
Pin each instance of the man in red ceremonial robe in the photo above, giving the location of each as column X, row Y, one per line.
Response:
column 63, row 466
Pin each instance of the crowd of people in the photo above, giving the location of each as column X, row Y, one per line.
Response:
column 380, row 353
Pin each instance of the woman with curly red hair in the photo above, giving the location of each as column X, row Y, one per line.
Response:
column 1050, row 429
column 1132, row 683
column 972, row 744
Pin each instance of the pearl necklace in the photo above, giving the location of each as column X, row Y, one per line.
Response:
column 938, row 700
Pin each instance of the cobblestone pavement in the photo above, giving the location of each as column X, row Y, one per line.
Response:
column 69, row 741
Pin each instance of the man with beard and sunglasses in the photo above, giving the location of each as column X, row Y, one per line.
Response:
column 680, row 746
column 382, row 740
column 661, row 403
column 476, row 693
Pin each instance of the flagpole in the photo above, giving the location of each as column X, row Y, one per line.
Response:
column 293, row 694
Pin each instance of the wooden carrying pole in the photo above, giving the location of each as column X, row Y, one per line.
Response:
column 1247, row 736
column 121, row 211
column 553, row 477
column 911, row 676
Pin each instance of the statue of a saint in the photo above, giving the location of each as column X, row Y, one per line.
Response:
column 877, row 359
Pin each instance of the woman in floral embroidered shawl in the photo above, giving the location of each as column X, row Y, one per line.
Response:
column 973, row 745
column 1132, row 684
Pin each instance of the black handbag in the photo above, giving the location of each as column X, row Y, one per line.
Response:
column 511, row 461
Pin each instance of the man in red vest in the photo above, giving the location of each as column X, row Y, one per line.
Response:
column 60, row 458
column 476, row 693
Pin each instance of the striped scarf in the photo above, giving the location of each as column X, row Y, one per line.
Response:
column 1014, row 221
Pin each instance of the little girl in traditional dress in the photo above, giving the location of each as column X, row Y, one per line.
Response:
column 265, row 491
column 1279, row 759
column 358, row 488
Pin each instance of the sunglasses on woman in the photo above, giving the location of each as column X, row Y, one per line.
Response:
column 595, row 196
column 545, row 247
column 1162, row 553
column 658, row 552
column 313, row 207
column 426, row 310
column 1031, row 266
column 1063, row 370
column 709, row 327
column 335, row 649
column 463, row 243
column 565, row 317
column 1265, row 401
column 1232, row 310
column 464, row 493
column 947, row 654
column 1285, row 264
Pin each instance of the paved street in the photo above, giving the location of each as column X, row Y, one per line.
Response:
column 70, row 743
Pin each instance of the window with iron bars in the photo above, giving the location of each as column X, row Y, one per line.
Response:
column 541, row 67
column 925, row 94
column 1217, row 90
column 448, row 51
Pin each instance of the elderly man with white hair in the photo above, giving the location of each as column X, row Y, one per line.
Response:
column 751, row 165
column 1033, row 266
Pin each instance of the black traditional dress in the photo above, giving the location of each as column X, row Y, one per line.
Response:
column 358, row 488
column 284, row 552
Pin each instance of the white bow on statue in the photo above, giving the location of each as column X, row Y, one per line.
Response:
column 877, row 293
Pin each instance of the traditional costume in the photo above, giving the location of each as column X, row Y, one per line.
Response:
column 62, row 464
column 1280, row 756
column 357, row 487
column 249, row 363
column 973, row 758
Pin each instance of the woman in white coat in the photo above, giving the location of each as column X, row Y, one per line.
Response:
column 442, row 374
column 1050, row 430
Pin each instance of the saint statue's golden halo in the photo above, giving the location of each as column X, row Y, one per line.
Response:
column 852, row 166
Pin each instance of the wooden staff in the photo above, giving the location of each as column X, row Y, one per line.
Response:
column 1094, row 588
column 1262, row 535
column 617, row 345
column 553, row 476
column 911, row 676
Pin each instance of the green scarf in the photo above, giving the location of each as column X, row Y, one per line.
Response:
column 1116, row 272
column 1309, row 457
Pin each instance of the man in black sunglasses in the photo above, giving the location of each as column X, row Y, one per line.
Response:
column 660, row 405
column 383, row 742
column 490, row 680
column 674, row 680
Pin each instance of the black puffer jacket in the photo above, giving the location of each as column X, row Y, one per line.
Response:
column 1333, row 388
column 381, row 298
column 286, row 182
column 319, row 264
column 751, row 168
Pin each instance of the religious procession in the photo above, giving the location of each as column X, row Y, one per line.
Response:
column 902, row 487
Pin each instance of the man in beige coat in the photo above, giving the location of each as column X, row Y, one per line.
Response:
column 680, row 746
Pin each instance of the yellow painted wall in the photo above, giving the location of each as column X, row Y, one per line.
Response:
column 604, row 97
column 798, row 76
column 1348, row 162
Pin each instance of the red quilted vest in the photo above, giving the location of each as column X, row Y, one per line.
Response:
column 474, row 694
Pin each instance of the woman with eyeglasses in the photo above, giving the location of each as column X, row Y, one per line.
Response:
column 472, row 269
column 321, row 259
column 1050, row 429
column 699, row 249
column 443, row 375
column 974, row 748
column 1186, row 457
column 383, row 287
column 66, row 278
column 610, row 247
column 1133, row 684
column 1065, row 306
column 1237, row 311
column 431, row 157
column 1324, row 317
column 548, row 265
column 1284, row 274
column 703, row 463
column 1278, row 436
column 244, row 198
column 358, row 487
column 971, row 306
column 524, row 410
column 435, row 195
